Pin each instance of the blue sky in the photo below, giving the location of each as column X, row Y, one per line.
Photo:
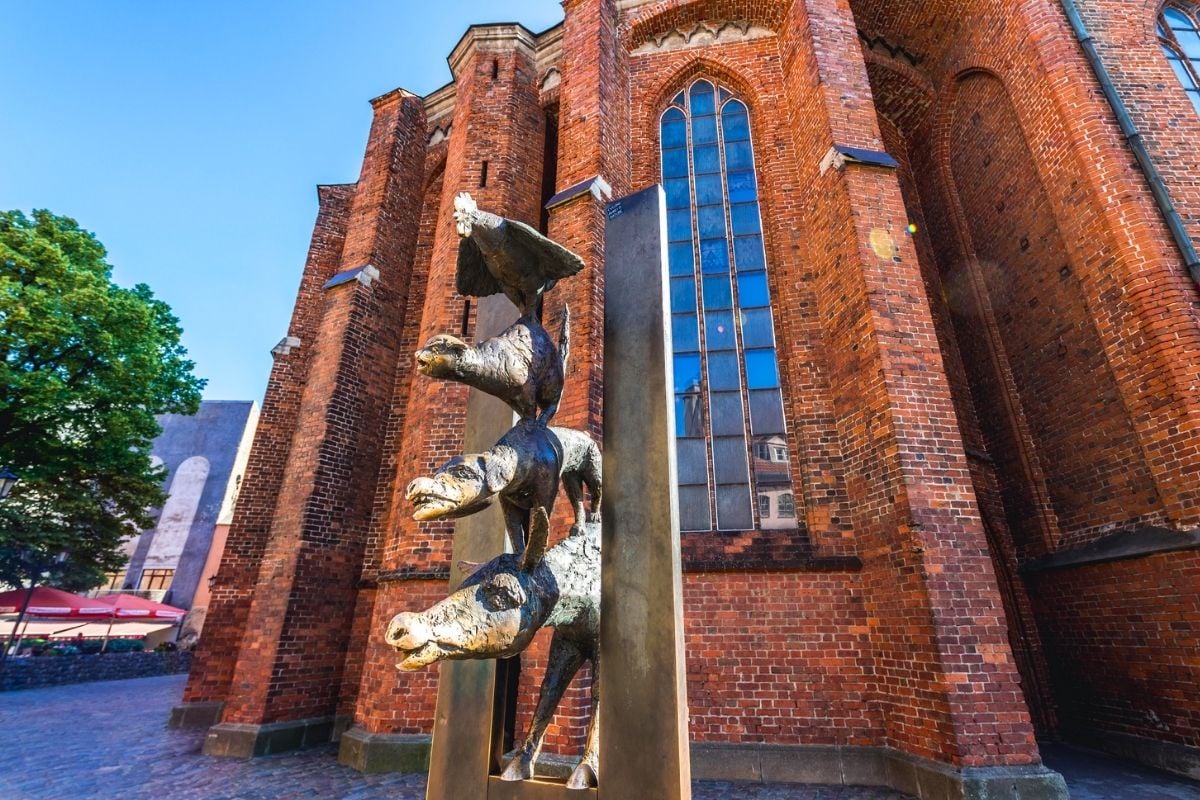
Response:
column 190, row 137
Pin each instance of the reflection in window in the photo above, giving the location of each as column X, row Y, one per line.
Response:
column 1180, row 39
column 731, row 439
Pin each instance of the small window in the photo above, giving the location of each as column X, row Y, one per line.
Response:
column 787, row 505
column 156, row 580
column 1179, row 36
column 114, row 580
column 764, row 505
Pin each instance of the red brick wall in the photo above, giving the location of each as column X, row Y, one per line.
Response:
column 217, row 652
column 1123, row 643
column 777, row 658
column 300, row 616
column 1070, row 309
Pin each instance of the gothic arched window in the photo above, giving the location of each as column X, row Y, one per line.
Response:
column 1179, row 36
column 728, row 409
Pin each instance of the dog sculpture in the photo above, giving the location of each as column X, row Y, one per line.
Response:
column 522, row 469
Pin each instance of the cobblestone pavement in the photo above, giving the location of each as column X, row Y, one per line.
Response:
column 109, row 740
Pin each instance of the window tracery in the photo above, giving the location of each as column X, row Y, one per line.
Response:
column 731, row 443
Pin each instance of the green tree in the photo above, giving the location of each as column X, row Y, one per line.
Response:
column 84, row 367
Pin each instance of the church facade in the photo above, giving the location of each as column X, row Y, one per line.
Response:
column 937, row 368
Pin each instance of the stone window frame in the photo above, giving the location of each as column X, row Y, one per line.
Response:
column 1181, row 46
column 695, row 404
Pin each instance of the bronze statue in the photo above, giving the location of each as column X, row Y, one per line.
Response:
column 521, row 366
column 497, row 611
column 503, row 255
column 504, row 602
column 523, row 470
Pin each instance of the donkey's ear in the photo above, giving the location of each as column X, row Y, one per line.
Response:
column 539, row 537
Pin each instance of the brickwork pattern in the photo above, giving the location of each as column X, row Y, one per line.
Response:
column 1113, row 676
column 240, row 561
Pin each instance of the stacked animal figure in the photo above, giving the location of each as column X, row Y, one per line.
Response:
column 503, row 603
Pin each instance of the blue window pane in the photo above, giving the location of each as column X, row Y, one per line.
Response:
column 742, row 188
column 679, row 256
column 678, row 100
column 1181, row 71
column 693, row 509
column 691, row 457
column 683, row 295
column 738, row 156
column 706, row 160
column 748, row 252
column 687, row 373
column 704, row 130
column 735, row 122
column 761, row 372
column 689, row 417
column 702, row 99
column 1190, row 42
column 718, row 331
column 717, row 294
column 675, row 163
column 1177, row 19
column 685, row 334
column 733, row 508
column 726, row 414
column 711, row 221
column 766, row 412
column 744, row 218
column 729, row 459
column 757, row 330
column 679, row 225
column 677, row 193
column 752, row 290
column 723, row 373
column 714, row 256
column 674, row 129
column 708, row 190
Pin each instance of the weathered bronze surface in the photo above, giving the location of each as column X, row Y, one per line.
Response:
column 499, row 606
column 497, row 611
column 523, row 470
column 503, row 255
column 521, row 366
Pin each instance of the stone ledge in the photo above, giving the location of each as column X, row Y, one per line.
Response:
column 238, row 740
column 196, row 715
column 384, row 752
column 873, row 766
column 1135, row 543
column 1175, row 758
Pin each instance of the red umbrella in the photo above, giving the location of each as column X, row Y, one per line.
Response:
column 47, row 602
column 130, row 605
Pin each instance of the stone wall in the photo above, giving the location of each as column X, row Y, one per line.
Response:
column 35, row 673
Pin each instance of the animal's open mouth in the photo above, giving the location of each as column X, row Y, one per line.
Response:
column 426, row 654
column 431, row 506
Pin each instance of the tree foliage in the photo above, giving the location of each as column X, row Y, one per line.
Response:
column 85, row 365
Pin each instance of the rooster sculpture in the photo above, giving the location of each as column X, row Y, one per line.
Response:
column 503, row 255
